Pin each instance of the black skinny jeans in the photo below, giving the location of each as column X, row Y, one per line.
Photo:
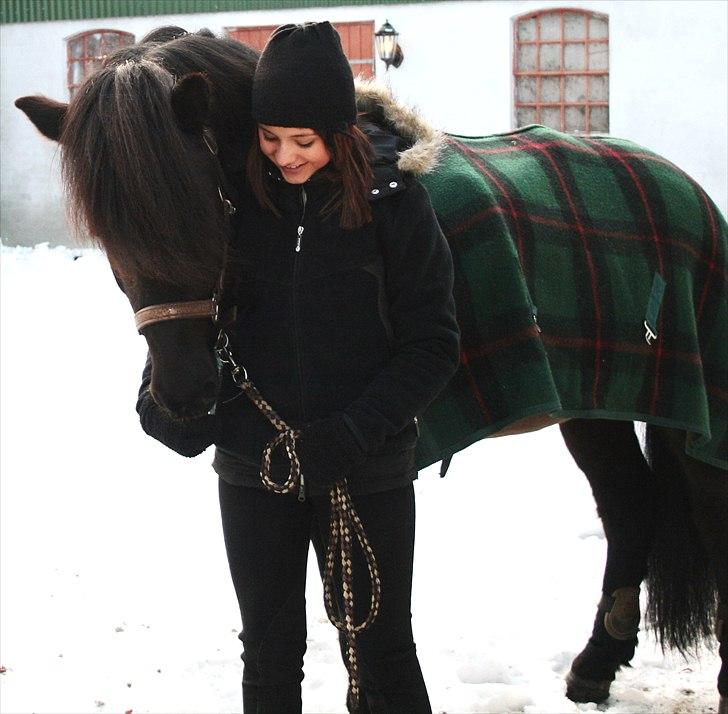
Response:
column 267, row 537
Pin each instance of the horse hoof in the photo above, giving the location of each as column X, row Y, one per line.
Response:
column 581, row 690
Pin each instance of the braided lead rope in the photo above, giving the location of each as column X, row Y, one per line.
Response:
column 343, row 524
column 286, row 436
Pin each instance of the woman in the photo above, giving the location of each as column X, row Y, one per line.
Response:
column 346, row 326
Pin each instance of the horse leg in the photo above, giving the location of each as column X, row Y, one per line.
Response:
column 708, row 492
column 624, row 490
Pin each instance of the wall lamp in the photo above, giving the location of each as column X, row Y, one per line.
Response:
column 388, row 47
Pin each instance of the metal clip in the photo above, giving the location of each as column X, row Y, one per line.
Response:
column 238, row 373
column 227, row 206
column 649, row 334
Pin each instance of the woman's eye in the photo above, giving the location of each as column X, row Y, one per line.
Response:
column 305, row 146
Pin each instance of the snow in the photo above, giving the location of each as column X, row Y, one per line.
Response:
column 114, row 588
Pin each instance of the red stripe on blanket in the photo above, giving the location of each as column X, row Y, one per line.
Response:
column 589, row 259
column 717, row 392
column 596, row 232
column 612, row 346
column 605, row 149
column 504, row 343
column 512, row 209
column 711, row 214
column 474, row 388
column 713, row 253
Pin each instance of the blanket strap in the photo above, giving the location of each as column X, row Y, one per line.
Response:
column 653, row 307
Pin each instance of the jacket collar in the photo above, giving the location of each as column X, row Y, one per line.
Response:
column 403, row 142
column 388, row 178
column 418, row 144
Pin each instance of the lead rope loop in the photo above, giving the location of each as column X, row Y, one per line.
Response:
column 344, row 523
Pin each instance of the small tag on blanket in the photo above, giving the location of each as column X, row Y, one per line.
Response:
column 653, row 307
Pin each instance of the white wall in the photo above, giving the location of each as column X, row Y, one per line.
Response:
column 668, row 83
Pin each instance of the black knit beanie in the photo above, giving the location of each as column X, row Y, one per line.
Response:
column 303, row 79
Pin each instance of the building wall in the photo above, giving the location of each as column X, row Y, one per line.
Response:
column 668, row 83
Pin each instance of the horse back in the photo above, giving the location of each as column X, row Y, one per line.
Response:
column 590, row 282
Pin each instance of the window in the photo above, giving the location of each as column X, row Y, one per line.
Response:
column 561, row 70
column 86, row 52
column 357, row 40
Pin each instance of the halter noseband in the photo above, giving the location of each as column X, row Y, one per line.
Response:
column 195, row 309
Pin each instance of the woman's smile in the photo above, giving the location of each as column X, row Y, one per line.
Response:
column 298, row 153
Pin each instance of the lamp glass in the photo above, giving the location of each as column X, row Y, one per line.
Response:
column 386, row 45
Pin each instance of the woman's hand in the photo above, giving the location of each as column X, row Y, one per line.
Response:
column 328, row 450
column 188, row 437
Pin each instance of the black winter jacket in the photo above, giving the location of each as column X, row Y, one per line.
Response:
column 356, row 325
column 347, row 334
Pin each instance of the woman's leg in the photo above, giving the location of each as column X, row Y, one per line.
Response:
column 266, row 538
column 391, row 678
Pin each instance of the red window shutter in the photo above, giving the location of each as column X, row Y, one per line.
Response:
column 357, row 40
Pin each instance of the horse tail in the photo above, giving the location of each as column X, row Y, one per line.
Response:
column 682, row 592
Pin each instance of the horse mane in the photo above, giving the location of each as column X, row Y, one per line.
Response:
column 131, row 180
column 229, row 66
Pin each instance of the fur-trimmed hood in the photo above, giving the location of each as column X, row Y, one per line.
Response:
column 417, row 145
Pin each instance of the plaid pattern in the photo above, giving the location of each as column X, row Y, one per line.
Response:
column 556, row 241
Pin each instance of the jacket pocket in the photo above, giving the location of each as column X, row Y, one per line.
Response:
column 405, row 440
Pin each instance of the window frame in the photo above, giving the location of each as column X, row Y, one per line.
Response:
column 85, row 58
column 354, row 62
column 538, row 104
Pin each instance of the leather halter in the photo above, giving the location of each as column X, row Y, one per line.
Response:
column 195, row 309
column 175, row 311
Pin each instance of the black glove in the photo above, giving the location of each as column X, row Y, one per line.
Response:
column 328, row 450
column 188, row 437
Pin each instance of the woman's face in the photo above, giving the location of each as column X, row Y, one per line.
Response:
column 298, row 153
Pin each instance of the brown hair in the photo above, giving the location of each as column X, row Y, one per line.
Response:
column 349, row 172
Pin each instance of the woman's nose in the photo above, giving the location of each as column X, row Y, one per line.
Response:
column 286, row 154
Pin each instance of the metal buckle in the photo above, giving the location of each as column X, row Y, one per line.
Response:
column 649, row 334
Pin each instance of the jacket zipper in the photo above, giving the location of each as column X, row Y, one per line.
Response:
column 300, row 223
column 299, row 234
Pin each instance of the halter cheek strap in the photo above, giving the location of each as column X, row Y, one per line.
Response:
column 195, row 309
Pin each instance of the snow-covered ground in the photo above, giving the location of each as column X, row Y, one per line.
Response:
column 115, row 594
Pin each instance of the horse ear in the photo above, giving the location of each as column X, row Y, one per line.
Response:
column 46, row 114
column 191, row 102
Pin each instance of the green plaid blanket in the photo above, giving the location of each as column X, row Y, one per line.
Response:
column 568, row 253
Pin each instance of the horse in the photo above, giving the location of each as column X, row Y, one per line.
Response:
column 153, row 149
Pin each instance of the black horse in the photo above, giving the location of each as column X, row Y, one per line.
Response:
column 155, row 142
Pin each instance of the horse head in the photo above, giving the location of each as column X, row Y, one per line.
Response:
column 140, row 169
